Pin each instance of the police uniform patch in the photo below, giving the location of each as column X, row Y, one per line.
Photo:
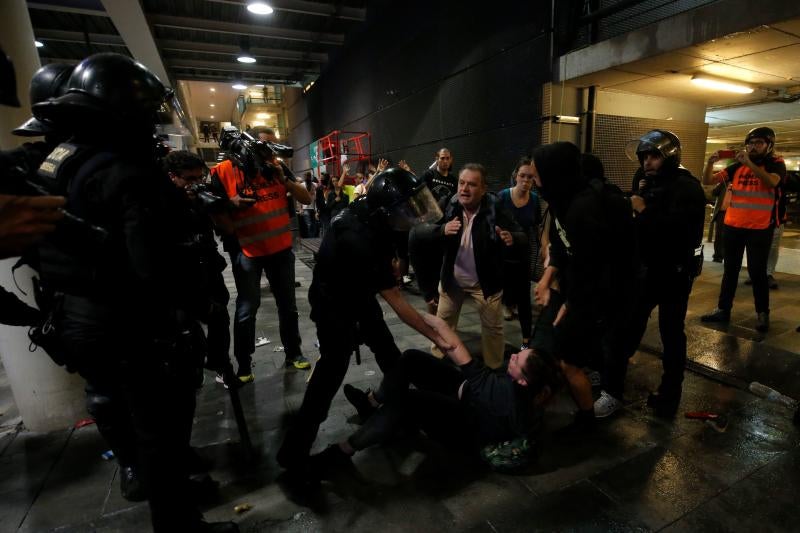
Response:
column 62, row 153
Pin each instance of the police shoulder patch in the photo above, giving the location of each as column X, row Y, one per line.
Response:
column 61, row 154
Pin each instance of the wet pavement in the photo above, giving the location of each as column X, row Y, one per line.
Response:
column 635, row 473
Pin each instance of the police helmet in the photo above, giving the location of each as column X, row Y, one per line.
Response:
column 662, row 142
column 762, row 132
column 107, row 87
column 402, row 199
column 50, row 81
column 8, row 82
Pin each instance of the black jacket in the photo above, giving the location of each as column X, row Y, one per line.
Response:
column 488, row 246
column 671, row 226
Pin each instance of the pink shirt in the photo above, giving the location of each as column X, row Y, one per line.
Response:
column 464, row 271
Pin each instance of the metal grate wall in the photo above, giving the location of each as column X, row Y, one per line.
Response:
column 419, row 79
column 613, row 132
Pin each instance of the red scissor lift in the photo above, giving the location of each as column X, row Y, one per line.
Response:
column 353, row 145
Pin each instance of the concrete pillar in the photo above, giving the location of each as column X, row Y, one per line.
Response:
column 47, row 397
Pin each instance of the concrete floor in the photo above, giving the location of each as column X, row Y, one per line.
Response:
column 635, row 473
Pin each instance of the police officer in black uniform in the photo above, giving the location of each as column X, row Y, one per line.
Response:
column 359, row 240
column 669, row 205
column 125, row 298
column 24, row 219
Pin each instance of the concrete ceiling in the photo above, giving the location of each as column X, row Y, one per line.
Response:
column 764, row 57
column 195, row 41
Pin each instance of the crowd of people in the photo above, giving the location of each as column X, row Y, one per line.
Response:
column 124, row 244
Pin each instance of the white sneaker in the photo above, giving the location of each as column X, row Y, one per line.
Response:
column 606, row 405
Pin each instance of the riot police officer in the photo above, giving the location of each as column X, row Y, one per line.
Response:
column 123, row 297
column 359, row 240
column 669, row 205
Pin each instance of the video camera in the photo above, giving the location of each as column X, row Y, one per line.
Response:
column 252, row 155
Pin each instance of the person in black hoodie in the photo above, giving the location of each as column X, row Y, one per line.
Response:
column 670, row 213
column 592, row 251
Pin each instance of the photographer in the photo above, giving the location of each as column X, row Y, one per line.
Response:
column 186, row 171
column 255, row 182
column 670, row 212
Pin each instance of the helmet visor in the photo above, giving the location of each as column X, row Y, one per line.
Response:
column 634, row 147
column 418, row 208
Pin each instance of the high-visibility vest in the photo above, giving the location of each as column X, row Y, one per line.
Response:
column 753, row 205
column 262, row 229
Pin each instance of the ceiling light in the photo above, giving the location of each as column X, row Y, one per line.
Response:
column 213, row 90
column 212, row 105
column 212, row 116
column 721, row 84
column 239, row 86
column 258, row 123
column 259, row 8
column 245, row 57
column 38, row 44
column 262, row 115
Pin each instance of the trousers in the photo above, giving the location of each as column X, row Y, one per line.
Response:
column 756, row 243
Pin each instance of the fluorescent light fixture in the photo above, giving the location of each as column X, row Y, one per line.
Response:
column 259, row 8
column 38, row 44
column 566, row 119
column 245, row 57
column 719, row 84
column 239, row 86
column 262, row 115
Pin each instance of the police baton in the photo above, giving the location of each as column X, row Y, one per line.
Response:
column 233, row 384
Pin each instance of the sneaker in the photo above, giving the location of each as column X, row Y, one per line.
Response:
column 360, row 400
column 717, row 315
column 407, row 279
column 246, row 378
column 772, row 283
column 220, row 379
column 299, row 362
column 762, row 320
column 606, row 405
column 525, row 346
column 595, row 378
column 716, row 259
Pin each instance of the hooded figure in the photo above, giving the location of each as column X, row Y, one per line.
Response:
column 592, row 253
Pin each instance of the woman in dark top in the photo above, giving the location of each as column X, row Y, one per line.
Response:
column 337, row 200
column 520, row 263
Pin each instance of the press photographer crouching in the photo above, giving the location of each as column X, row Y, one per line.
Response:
column 187, row 172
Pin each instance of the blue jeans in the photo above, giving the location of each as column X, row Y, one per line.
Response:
column 279, row 269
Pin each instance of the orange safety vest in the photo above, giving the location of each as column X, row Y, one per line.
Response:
column 752, row 204
column 262, row 229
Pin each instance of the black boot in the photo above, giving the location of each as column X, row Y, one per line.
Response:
column 130, row 486
column 664, row 405
column 360, row 400
column 582, row 425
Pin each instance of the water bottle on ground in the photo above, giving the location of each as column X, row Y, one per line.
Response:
column 759, row 389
